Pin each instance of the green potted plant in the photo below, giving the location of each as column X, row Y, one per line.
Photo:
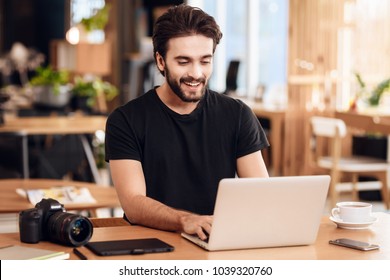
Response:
column 50, row 87
column 378, row 92
column 98, row 21
column 373, row 98
column 92, row 28
column 85, row 92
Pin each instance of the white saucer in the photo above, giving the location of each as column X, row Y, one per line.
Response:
column 346, row 225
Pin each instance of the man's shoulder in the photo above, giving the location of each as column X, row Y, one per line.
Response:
column 134, row 108
column 139, row 103
column 224, row 100
column 142, row 99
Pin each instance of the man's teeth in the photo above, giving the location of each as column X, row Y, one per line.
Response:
column 192, row 84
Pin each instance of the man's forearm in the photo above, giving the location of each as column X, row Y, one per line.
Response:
column 149, row 212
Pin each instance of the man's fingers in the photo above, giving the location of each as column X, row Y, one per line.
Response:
column 204, row 229
column 199, row 225
column 201, row 234
column 207, row 228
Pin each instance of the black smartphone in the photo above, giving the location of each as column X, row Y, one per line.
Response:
column 354, row 244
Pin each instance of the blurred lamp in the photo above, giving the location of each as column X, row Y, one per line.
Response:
column 73, row 35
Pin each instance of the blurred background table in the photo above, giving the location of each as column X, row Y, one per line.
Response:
column 79, row 125
column 12, row 202
column 276, row 116
column 369, row 121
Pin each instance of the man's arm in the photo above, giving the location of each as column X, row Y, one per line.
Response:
column 129, row 182
column 252, row 165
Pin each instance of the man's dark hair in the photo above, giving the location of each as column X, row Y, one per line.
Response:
column 180, row 21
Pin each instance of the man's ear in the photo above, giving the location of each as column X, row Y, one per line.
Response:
column 160, row 62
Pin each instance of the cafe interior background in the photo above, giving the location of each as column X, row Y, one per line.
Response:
column 297, row 57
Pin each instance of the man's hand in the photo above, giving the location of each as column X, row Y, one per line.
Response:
column 196, row 224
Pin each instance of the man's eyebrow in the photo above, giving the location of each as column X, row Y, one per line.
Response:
column 189, row 58
column 182, row 57
column 207, row 56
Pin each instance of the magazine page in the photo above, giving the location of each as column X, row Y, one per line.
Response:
column 63, row 194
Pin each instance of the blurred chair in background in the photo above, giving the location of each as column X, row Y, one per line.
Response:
column 231, row 76
column 331, row 131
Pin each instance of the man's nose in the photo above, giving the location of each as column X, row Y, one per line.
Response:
column 195, row 71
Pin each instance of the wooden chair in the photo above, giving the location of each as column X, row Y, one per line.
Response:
column 335, row 130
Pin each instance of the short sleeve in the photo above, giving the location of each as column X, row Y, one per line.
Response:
column 251, row 136
column 121, row 141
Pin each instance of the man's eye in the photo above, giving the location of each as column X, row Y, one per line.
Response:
column 206, row 61
column 183, row 62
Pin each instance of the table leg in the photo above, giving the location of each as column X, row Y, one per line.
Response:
column 277, row 145
column 25, row 158
column 90, row 158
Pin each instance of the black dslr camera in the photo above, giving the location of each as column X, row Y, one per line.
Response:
column 49, row 221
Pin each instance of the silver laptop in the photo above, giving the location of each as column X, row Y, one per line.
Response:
column 266, row 212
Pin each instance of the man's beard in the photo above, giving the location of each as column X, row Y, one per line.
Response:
column 177, row 90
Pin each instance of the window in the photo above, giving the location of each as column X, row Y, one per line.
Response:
column 363, row 47
column 84, row 9
column 80, row 9
column 255, row 32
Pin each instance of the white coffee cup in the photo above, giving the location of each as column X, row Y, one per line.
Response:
column 352, row 211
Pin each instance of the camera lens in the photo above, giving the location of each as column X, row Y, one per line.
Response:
column 69, row 229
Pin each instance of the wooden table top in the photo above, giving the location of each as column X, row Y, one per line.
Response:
column 378, row 233
column 50, row 125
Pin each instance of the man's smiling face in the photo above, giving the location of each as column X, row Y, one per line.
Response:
column 188, row 66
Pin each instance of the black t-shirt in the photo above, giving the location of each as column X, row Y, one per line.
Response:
column 184, row 156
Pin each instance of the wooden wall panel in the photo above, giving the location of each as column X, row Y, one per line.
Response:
column 313, row 27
